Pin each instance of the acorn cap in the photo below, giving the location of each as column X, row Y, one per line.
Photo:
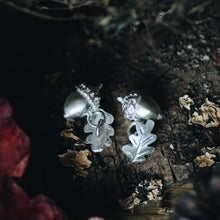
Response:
column 79, row 102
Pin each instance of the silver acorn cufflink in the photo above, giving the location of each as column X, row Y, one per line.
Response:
column 140, row 110
column 84, row 102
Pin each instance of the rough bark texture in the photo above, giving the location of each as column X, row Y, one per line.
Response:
column 111, row 173
column 179, row 143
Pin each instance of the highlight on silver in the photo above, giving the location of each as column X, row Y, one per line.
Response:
column 140, row 110
column 85, row 102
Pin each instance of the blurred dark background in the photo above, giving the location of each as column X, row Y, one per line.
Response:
column 31, row 48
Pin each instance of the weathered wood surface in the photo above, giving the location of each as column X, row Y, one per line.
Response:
column 111, row 174
column 181, row 70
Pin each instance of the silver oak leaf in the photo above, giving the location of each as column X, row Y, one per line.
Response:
column 140, row 141
column 105, row 131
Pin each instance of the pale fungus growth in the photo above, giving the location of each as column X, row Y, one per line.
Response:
column 145, row 191
column 205, row 58
column 190, row 47
column 211, row 150
column 150, row 196
column 207, row 116
column 205, row 160
column 186, row 102
column 129, row 202
column 171, row 147
column 78, row 160
column 68, row 133
column 155, row 186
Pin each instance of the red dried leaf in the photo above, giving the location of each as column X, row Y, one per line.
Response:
column 14, row 143
column 45, row 209
column 16, row 205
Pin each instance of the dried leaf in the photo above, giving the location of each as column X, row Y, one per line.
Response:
column 15, row 204
column 14, row 143
column 14, row 153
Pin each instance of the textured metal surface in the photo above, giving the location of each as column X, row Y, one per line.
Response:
column 85, row 102
column 139, row 109
column 136, row 107
column 140, row 142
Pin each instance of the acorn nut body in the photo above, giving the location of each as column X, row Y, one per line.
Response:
column 75, row 106
column 147, row 108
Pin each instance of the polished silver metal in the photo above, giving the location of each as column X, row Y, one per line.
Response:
column 140, row 110
column 85, row 103
column 137, row 107
column 140, row 142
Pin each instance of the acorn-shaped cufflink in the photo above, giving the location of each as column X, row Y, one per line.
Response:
column 85, row 102
column 141, row 110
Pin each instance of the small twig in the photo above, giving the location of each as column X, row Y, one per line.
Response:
column 75, row 16
column 199, row 7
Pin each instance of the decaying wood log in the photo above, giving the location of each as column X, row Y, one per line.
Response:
column 179, row 142
column 111, row 176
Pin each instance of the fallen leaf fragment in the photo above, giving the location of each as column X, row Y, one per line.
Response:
column 14, row 143
column 76, row 159
column 16, row 205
